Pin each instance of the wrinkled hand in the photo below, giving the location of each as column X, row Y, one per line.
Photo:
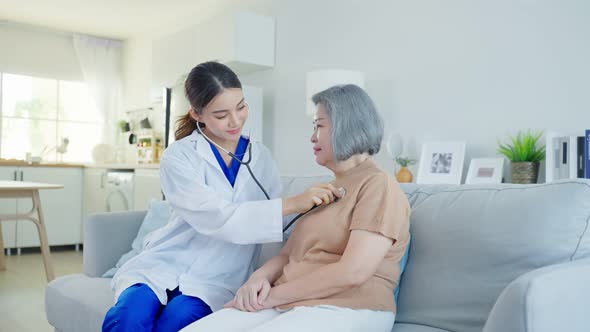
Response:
column 251, row 295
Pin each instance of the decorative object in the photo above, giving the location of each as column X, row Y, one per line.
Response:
column 525, row 172
column 485, row 170
column 524, row 155
column 145, row 123
column 320, row 80
column 124, row 126
column 441, row 163
column 404, row 175
column 60, row 149
column 552, row 160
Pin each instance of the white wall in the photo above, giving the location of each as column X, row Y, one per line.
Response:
column 33, row 51
column 438, row 70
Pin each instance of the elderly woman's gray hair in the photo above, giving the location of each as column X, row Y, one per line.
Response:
column 357, row 127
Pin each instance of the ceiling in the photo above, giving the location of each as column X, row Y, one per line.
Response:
column 118, row 19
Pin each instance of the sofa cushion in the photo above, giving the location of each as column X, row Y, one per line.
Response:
column 469, row 242
column 78, row 303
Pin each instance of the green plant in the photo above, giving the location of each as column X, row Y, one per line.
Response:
column 123, row 126
column 523, row 147
column 404, row 161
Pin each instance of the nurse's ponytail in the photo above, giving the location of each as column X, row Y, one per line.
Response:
column 203, row 83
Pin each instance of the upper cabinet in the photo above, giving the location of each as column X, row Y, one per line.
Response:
column 243, row 40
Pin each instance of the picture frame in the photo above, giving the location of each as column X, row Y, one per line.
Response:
column 441, row 163
column 485, row 170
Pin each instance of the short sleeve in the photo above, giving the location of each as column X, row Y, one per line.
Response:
column 381, row 207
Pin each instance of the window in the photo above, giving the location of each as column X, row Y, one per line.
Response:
column 36, row 114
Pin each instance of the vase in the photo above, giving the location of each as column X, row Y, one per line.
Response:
column 525, row 171
column 404, row 175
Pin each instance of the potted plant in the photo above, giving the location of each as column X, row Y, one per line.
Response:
column 524, row 155
column 123, row 126
column 404, row 175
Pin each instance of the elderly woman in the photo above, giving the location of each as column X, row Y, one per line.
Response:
column 341, row 264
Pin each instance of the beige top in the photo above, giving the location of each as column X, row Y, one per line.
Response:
column 374, row 202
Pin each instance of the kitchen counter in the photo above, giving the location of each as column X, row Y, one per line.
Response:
column 123, row 166
column 22, row 163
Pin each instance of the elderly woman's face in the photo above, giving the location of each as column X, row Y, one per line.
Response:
column 322, row 136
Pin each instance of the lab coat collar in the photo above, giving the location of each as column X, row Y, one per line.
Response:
column 203, row 149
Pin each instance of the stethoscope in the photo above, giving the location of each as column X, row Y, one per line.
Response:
column 247, row 164
column 336, row 199
column 231, row 154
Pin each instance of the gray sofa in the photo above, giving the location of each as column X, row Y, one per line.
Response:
column 492, row 258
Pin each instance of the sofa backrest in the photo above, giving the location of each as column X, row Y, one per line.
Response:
column 470, row 241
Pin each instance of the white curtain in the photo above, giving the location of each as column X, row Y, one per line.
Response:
column 100, row 60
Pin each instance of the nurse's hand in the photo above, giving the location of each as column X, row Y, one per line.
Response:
column 323, row 193
column 251, row 295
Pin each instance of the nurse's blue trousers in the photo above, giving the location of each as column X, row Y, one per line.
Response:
column 138, row 309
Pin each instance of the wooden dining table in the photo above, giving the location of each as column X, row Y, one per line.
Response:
column 19, row 189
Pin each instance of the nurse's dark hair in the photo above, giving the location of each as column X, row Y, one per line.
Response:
column 202, row 84
column 357, row 126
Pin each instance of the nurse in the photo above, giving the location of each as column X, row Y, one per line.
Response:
column 195, row 264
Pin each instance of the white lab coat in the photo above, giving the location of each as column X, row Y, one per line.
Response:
column 209, row 245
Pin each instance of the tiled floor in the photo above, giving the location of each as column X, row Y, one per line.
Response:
column 22, row 289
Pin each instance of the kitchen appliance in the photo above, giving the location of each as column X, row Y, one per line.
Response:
column 119, row 185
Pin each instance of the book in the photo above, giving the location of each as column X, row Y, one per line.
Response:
column 587, row 154
column 563, row 166
column 580, row 154
column 552, row 156
column 572, row 156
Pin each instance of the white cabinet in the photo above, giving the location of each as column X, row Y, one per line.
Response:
column 8, row 206
column 146, row 188
column 243, row 40
column 62, row 208
column 95, row 191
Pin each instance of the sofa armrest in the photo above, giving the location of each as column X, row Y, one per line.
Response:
column 552, row 298
column 107, row 236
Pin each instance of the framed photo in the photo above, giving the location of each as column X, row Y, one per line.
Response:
column 485, row 170
column 441, row 163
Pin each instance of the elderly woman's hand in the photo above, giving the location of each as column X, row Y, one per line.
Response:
column 251, row 295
